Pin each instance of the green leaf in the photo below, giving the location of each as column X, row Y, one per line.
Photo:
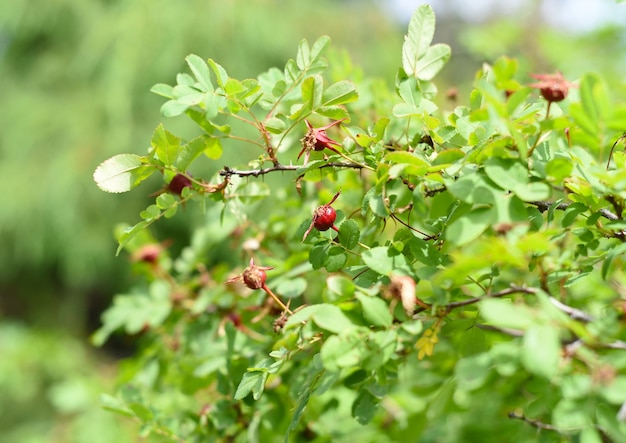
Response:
column 425, row 253
column 115, row 405
column 122, row 172
column 429, row 65
column 472, row 372
column 339, row 93
column 324, row 315
column 220, row 73
column 572, row 414
column 379, row 347
column 213, row 148
column 590, row 435
column 541, row 350
column 165, row 201
column 365, row 407
column 615, row 391
column 303, row 57
column 173, row 108
column 506, row 173
column 406, row 163
column 474, row 189
column 470, row 226
column 150, row 212
column 291, row 287
column 312, row 88
column 349, row 234
column 420, row 34
column 315, row 372
column 414, row 101
column 343, row 350
column 610, row 256
column 419, row 59
column 374, row 201
column 379, row 259
column 317, row 255
column 375, row 310
column 448, row 156
column 275, row 125
column 291, row 72
column 189, row 152
column 318, row 47
column 134, row 312
column 252, row 382
column 335, row 259
column 339, row 288
column 128, row 234
column 163, row 90
column 166, row 145
column 533, row 191
column 506, row 314
column 201, row 71
column 331, row 318
column 559, row 168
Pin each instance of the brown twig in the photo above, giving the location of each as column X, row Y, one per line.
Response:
column 543, row 206
column 536, row 423
column 503, row 293
column 228, row 171
column 608, row 163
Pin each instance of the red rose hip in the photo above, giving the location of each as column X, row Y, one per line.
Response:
column 324, row 218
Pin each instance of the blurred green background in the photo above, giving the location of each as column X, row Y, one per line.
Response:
column 76, row 76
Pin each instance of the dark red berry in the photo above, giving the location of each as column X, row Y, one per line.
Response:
column 324, row 218
column 148, row 253
column 178, row 183
column 235, row 318
column 553, row 87
column 553, row 94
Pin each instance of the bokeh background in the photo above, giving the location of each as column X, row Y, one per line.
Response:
column 75, row 77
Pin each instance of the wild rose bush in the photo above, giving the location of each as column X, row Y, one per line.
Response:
column 373, row 264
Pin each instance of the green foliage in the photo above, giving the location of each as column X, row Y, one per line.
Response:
column 75, row 76
column 469, row 283
column 49, row 389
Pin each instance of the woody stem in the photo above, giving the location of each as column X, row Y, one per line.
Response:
column 276, row 299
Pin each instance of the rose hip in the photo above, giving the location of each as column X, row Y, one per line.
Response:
column 178, row 183
column 254, row 278
column 323, row 218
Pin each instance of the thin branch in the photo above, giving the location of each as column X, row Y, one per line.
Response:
column 544, row 206
column 536, row 423
column 228, row 172
column 402, row 222
column 573, row 313
column 507, row 331
column 617, row 345
column 503, row 293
